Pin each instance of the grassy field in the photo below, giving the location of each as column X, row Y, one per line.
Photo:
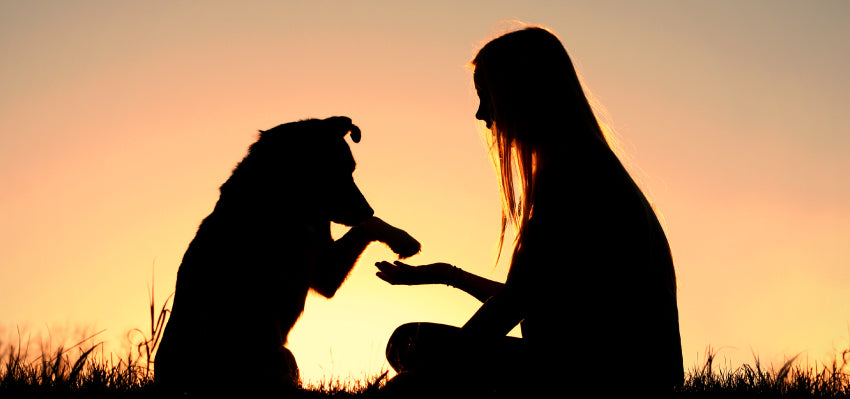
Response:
column 85, row 369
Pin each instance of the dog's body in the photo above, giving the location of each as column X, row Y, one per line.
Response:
column 244, row 278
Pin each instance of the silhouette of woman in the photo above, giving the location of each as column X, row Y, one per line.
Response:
column 591, row 280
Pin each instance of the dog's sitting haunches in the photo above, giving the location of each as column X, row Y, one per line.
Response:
column 245, row 276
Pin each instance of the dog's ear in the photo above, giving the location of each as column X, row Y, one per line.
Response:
column 355, row 133
column 343, row 123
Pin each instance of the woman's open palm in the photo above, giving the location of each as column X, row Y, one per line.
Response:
column 400, row 273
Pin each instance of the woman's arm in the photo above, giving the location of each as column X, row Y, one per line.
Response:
column 439, row 273
column 501, row 313
column 496, row 317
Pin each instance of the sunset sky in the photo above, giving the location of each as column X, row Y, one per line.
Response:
column 119, row 120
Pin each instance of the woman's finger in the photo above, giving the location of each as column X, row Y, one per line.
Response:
column 384, row 277
column 384, row 266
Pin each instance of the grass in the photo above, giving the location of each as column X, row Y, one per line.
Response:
column 791, row 380
column 85, row 369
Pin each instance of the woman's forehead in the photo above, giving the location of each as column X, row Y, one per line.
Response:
column 477, row 79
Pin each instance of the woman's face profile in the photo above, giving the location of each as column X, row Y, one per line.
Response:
column 485, row 108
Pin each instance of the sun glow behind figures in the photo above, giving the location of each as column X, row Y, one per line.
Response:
column 121, row 120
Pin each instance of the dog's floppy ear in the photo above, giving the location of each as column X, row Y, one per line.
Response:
column 343, row 123
column 355, row 133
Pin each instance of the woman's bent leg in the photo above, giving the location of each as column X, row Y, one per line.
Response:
column 441, row 355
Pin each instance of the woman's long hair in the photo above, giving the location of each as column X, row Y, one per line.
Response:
column 537, row 107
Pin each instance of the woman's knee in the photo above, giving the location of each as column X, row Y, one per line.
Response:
column 399, row 344
column 414, row 344
column 404, row 331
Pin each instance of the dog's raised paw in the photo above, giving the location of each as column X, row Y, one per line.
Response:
column 406, row 246
column 403, row 244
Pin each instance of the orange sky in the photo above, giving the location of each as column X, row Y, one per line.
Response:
column 119, row 121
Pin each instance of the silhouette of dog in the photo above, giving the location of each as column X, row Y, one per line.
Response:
column 245, row 276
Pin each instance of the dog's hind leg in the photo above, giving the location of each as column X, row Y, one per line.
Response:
column 277, row 372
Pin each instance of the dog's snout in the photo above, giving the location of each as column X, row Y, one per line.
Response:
column 350, row 206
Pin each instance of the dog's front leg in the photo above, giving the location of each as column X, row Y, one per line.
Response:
column 336, row 263
column 338, row 259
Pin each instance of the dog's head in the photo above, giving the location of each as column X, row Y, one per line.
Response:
column 316, row 162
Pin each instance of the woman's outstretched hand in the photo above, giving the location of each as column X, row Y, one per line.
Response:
column 401, row 273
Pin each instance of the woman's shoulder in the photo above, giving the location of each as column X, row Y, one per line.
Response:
column 601, row 181
column 587, row 203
